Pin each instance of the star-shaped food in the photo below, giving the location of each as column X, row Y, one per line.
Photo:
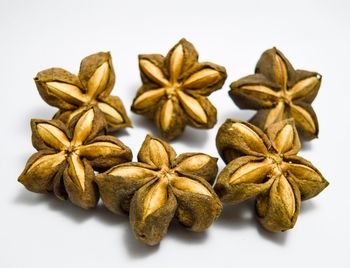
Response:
column 67, row 157
column 162, row 186
column 92, row 86
column 279, row 92
column 175, row 89
column 266, row 166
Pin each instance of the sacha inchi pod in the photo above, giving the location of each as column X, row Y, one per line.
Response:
column 277, row 91
column 91, row 87
column 68, row 155
column 266, row 166
column 161, row 186
column 175, row 88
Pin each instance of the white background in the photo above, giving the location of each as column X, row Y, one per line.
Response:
column 40, row 231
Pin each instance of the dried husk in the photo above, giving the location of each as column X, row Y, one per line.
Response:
column 117, row 190
column 160, row 187
column 175, row 89
column 198, row 164
column 265, row 166
column 68, row 155
column 197, row 211
column 277, row 91
column 272, row 210
column 246, row 139
column 233, row 193
column 92, row 86
column 151, row 229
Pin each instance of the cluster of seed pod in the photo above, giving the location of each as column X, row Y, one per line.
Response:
column 78, row 160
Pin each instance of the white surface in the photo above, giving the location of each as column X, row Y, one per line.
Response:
column 40, row 231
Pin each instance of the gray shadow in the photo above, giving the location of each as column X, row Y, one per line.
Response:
column 140, row 121
column 119, row 133
column 69, row 210
column 193, row 137
column 23, row 158
column 135, row 248
column 44, row 112
column 177, row 231
column 306, row 145
column 182, row 234
column 307, row 206
column 243, row 115
column 276, row 238
column 21, row 123
column 131, row 92
column 102, row 214
column 74, row 213
column 27, row 198
column 240, row 216
column 78, row 215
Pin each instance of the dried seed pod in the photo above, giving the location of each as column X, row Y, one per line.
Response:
column 198, row 164
column 266, row 166
column 162, row 186
column 279, row 92
column 175, row 89
column 67, row 157
column 278, row 208
column 91, row 87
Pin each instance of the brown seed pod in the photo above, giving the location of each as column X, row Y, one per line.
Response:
column 266, row 166
column 91, row 87
column 279, row 92
column 67, row 157
column 175, row 89
column 162, row 186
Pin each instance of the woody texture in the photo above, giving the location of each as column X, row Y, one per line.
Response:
column 68, row 156
column 161, row 186
column 175, row 88
column 266, row 166
column 71, row 93
column 277, row 91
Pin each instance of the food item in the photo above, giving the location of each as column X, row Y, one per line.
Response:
column 266, row 166
column 279, row 92
column 175, row 89
column 91, row 87
column 162, row 186
column 68, row 155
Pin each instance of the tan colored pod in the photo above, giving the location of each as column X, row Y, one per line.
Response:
column 160, row 187
column 277, row 91
column 266, row 166
column 175, row 88
column 67, row 157
column 91, row 87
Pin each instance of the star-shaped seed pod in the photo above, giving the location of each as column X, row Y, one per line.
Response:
column 68, row 155
column 279, row 92
column 266, row 166
column 160, row 187
column 175, row 89
column 92, row 86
